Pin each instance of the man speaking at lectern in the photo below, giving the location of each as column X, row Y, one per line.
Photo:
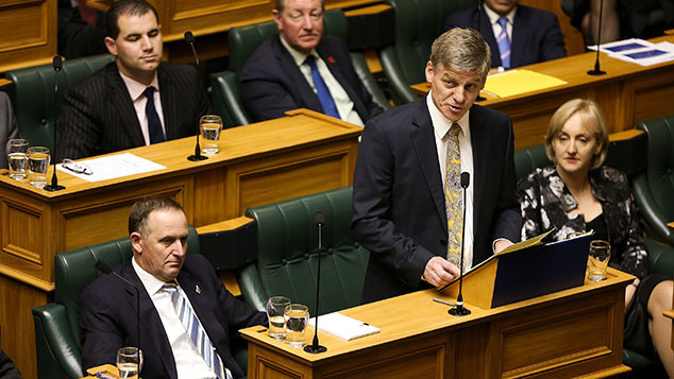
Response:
column 138, row 99
column 407, row 200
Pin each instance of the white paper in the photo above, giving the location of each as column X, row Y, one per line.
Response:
column 638, row 51
column 114, row 166
column 344, row 327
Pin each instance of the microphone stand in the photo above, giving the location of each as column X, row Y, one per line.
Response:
column 58, row 64
column 479, row 21
column 597, row 70
column 460, row 310
column 106, row 269
column 189, row 38
column 315, row 348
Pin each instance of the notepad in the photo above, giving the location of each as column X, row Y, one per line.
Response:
column 516, row 82
column 344, row 327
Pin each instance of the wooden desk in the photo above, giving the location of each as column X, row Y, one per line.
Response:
column 261, row 163
column 628, row 93
column 571, row 333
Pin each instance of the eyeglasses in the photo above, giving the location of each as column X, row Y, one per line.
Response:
column 77, row 167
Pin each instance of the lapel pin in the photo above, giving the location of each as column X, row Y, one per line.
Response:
column 198, row 289
column 331, row 59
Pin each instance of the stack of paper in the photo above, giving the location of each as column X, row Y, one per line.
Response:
column 515, row 82
column 638, row 51
column 344, row 327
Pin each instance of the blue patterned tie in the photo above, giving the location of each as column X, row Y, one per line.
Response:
column 504, row 43
column 196, row 331
column 324, row 96
column 153, row 123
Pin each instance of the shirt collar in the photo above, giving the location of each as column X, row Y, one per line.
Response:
column 441, row 124
column 137, row 88
column 493, row 16
column 152, row 285
column 298, row 56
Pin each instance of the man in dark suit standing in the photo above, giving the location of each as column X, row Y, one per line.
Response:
column 173, row 286
column 407, row 200
column 302, row 68
column 530, row 36
column 137, row 100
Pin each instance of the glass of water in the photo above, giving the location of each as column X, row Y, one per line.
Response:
column 297, row 318
column 276, row 306
column 600, row 253
column 210, row 133
column 38, row 161
column 128, row 361
column 17, row 158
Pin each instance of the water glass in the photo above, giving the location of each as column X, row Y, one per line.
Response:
column 38, row 161
column 17, row 158
column 297, row 318
column 210, row 132
column 129, row 359
column 600, row 253
column 276, row 306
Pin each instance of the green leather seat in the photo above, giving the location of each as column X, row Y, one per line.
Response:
column 287, row 253
column 57, row 331
column 417, row 24
column 654, row 188
column 33, row 94
column 243, row 41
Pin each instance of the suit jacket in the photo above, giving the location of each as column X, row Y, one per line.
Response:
column 536, row 35
column 271, row 82
column 398, row 199
column 108, row 320
column 98, row 116
column 8, row 128
column 7, row 369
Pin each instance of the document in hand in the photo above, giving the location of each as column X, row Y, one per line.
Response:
column 342, row 326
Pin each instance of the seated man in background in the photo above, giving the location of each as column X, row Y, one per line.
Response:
column 136, row 100
column 8, row 127
column 168, row 280
column 302, row 68
column 517, row 35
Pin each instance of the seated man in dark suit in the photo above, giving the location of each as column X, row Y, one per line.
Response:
column 530, row 35
column 170, row 283
column 407, row 198
column 302, row 68
column 137, row 100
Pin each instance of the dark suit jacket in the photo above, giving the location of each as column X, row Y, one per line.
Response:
column 271, row 82
column 99, row 117
column 7, row 369
column 536, row 35
column 398, row 199
column 108, row 319
column 8, row 127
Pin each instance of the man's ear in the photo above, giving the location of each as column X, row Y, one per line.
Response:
column 111, row 44
column 429, row 71
column 276, row 16
column 136, row 240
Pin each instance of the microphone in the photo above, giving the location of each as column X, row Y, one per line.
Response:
column 189, row 38
column 460, row 310
column 315, row 348
column 105, row 268
column 57, row 63
column 597, row 70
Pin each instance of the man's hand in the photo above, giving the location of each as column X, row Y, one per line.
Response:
column 500, row 245
column 439, row 272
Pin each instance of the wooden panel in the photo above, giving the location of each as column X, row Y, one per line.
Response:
column 645, row 96
column 27, row 33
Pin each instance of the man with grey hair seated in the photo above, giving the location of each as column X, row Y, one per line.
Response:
column 407, row 198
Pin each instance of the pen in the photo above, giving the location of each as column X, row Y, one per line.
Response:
column 444, row 302
column 104, row 376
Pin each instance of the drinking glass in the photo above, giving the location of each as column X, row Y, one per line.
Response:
column 38, row 161
column 210, row 133
column 276, row 306
column 600, row 253
column 17, row 158
column 297, row 318
column 127, row 362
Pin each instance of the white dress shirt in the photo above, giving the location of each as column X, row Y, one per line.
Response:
column 189, row 363
column 139, row 101
column 345, row 107
column 441, row 126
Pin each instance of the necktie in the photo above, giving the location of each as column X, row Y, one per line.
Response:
column 504, row 43
column 453, row 199
column 196, row 331
column 324, row 96
column 153, row 123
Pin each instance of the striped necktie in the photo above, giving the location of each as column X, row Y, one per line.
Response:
column 196, row 331
column 153, row 123
column 453, row 199
column 504, row 43
column 324, row 96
